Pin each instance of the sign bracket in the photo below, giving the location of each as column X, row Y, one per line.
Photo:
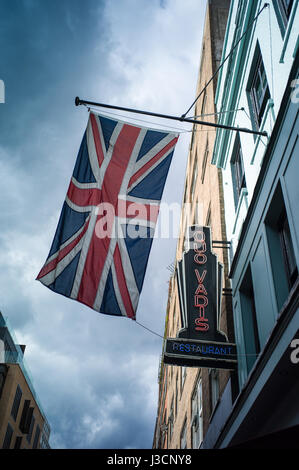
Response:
column 78, row 102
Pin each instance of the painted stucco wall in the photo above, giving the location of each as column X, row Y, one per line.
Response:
column 277, row 53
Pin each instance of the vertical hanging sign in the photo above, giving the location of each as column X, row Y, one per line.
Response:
column 199, row 278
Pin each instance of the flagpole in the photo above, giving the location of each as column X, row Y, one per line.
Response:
column 78, row 102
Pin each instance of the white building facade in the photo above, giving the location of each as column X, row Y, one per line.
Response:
column 252, row 81
column 257, row 89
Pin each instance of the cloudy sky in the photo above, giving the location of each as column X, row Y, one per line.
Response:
column 96, row 375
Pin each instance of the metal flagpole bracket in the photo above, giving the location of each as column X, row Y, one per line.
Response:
column 78, row 102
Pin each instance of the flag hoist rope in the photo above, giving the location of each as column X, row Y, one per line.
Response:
column 78, row 102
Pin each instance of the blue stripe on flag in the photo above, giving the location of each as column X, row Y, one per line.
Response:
column 150, row 140
column 69, row 223
column 63, row 284
column 108, row 126
column 110, row 304
column 82, row 171
column 139, row 250
column 151, row 187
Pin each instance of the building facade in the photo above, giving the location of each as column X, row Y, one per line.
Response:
column 260, row 201
column 23, row 424
column 188, row 397
column 247, row 188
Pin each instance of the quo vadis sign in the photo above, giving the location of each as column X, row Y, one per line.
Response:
column 199, row 278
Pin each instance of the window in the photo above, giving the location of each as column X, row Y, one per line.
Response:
column 36, row 438
column 240, row 5
column 287, row 249
column 183, row 376
column 192, row 137
column 2, row 351
column 8, row 352
column 3, row 373
column 29, row 435
column 185, row 193
column 45, row 445
column 196, row 416
column 283, row 10
column 258, row 89
column 176, row 395
column 287, row 6
column 208, row 217
column 194, row 177
column 204, row 163
column 281, row 248
column 197, row 213
column 18, row 442
column 203, row 103
column 170, row 420
column 202, row 59
column 214, row 387
column 237, row 170
column 46, row 429
column 249, row 320
column 7, row 438
column 26, row 417
column 16, row 403
column 183, row 440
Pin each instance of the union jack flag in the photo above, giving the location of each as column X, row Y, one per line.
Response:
column 104, row 235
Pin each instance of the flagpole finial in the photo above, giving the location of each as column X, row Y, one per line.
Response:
column 77, row 101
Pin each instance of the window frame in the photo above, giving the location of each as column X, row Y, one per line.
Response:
column 214, row 388
column 171, row 419
column 287, row 248
column 203, row 103
column 36, row 437
column 276, row 217
column 16, row 403
column 257, row 105
column 183, row 376
column 204, row 162
column 283, row 13
column 196, row 416
column 29, row 435
column 183, row 435
column 238, row 170
column 194, row 177
column 249, row 319
column 8, row 437
column 18, row 442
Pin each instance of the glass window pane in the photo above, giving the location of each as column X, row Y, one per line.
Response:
column 7, row 438
column 258, row 90
column 16, row 403
column 288, row 251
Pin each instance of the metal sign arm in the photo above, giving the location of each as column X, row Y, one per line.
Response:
column 78, row 102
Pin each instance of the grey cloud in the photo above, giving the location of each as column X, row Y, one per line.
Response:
column 96, row 375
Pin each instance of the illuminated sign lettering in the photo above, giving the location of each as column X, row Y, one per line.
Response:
column 193, row 353
column 199, row 280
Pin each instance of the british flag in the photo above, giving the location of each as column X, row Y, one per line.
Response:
column 104, row 235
